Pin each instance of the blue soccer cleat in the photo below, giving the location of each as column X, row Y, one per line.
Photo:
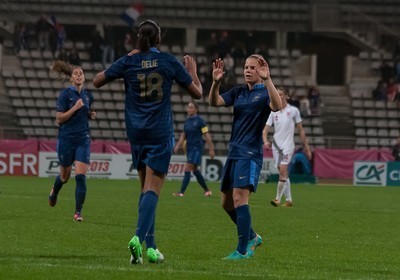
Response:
column 254, row 243
column 236, row 256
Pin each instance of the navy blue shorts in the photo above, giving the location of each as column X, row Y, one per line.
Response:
column 239, row 173
column 69, row 151
column 157, row 157
column 194, row 156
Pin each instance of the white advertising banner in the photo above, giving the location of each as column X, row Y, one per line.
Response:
column 119, row 166
column 369, row 173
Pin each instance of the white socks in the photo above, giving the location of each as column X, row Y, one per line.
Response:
column 286, row 191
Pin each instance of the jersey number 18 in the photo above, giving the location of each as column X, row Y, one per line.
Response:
column 150, row 87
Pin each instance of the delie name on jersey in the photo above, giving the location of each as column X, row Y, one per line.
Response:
column 149, row 63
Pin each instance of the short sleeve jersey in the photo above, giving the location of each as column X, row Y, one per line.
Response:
column 250, row 112
column 194, row 129
column 148, row 79
column 77, row 127
column 284, row 122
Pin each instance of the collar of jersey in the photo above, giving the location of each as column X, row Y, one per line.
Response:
column 74, row 88
column 153, row 49
column 258, row 86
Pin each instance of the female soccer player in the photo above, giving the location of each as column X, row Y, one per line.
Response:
column 148, row 76
column 194, row 129
column 284, row 122
column 252, row 104
column 73, row 145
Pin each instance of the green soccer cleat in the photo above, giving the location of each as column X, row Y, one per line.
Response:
column 136, row 250
column 254, row 243
column 236, row 256
column 154, row 256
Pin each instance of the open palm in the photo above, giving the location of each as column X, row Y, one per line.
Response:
column 218, row 69
column 263, row 71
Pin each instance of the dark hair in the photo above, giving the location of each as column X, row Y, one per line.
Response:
column 148, row 35
column 63, row 69
column 195, row 104
column 284, row 90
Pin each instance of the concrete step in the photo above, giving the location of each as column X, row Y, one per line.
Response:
column 336, row 100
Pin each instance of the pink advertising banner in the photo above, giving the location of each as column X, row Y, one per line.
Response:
column 117, row 148
column 339, row 163
column 51, row 146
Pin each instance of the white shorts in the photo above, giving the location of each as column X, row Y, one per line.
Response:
column 282, row 156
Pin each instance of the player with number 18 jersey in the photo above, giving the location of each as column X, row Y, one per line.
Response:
column 148, row 79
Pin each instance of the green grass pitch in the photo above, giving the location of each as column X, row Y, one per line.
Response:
column 332, row 232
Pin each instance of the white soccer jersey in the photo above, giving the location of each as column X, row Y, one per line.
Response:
column 284, row 122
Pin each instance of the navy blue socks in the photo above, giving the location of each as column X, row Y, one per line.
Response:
column 150, row 240
column 201, row 180
column 243, row 223
column 185, row 182
column 147, row 211
column 57, row 185
column 80, row 192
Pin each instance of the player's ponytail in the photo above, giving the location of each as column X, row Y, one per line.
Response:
column 62, row 69
column 148, row 35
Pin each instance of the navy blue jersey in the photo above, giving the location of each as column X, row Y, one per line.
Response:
column 148, row 79
column 194, row 129
column 250, row 112
column 77, row 127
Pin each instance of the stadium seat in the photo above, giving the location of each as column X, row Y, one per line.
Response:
column 384, row 142
column 357, row 103
column 370, row 123
column 295, row 53
column 383, row 132
column 317, row 131
column 359, row 123
column 361, row 142
column 373, row 142
column 381, row 114
column 360, row 132
column 372, row 132
column 393, row 124
column 394, row 133
column 392, row 114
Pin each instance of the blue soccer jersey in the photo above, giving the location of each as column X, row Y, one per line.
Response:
column 77, row 127
column 194, row 129
column 148, row 80
column 251, row 111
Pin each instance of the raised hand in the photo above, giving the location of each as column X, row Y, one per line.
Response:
column 218, row 70
column 190, row 64
column 263, row 71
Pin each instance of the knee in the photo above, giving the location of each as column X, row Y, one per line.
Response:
column 64, row 178
column 80, row 178
column 237, row 202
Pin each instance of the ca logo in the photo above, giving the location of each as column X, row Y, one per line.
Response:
column 372, row 172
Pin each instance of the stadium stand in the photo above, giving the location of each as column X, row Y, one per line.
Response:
column 31, row 92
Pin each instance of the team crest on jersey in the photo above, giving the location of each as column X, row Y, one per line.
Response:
column 288, row 114
column 276, row 117
column 255, row 99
